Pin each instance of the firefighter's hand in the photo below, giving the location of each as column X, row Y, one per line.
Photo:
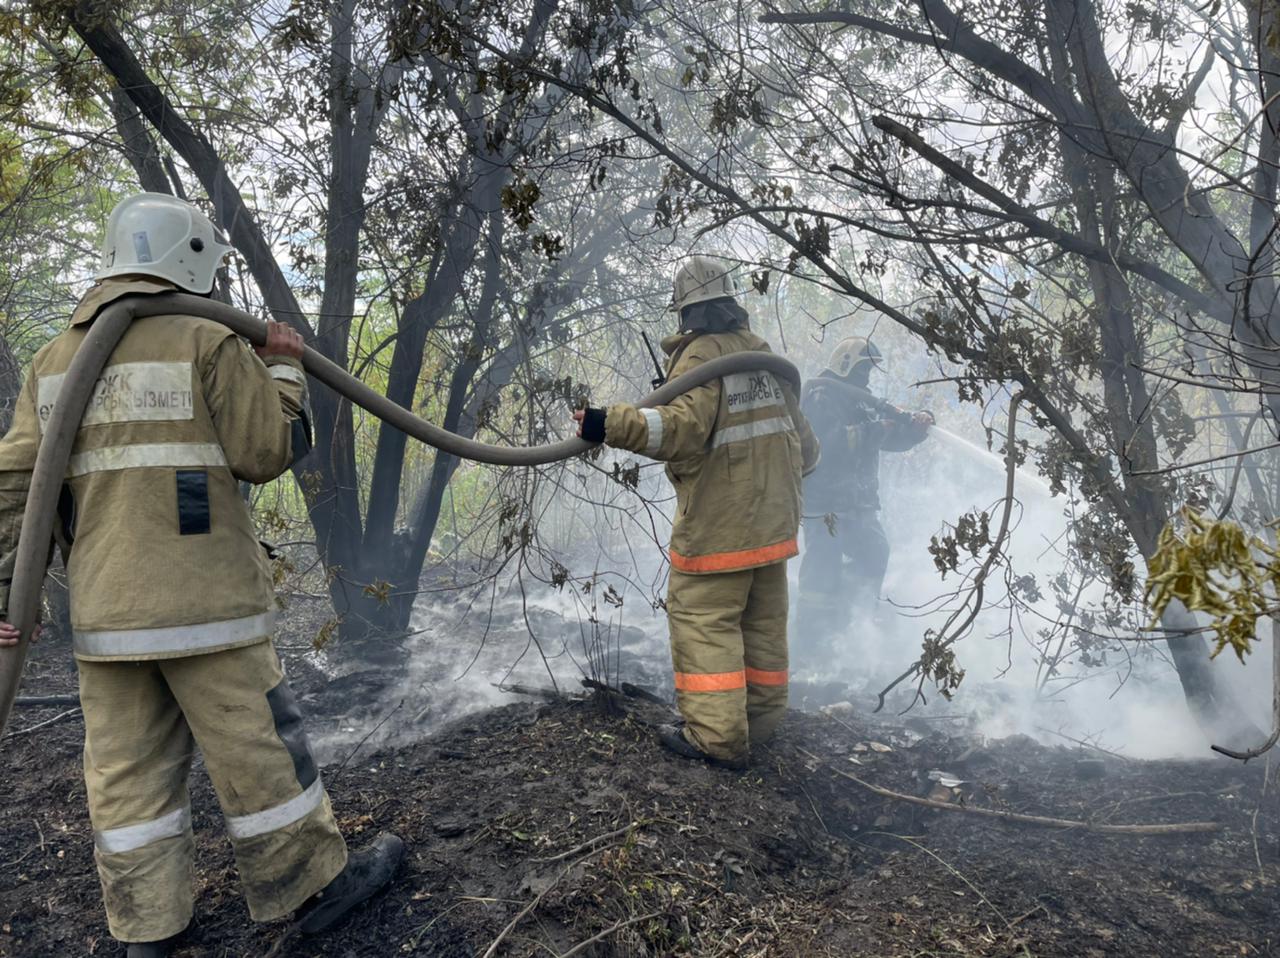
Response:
column 9, row 635
column 590, row 423
column 924, row 418
column 282, row 340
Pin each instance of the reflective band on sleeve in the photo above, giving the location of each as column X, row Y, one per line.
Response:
column 712, row 682
column 654, row 419
column 178, row 638
column 146, row 455
column 130, row 837
column 732, row 561
column 766, row 677
column 278, row 816
column 751, row 430
column 288, row 374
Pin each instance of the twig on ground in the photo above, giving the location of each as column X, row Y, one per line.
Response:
column 56, row 720
column 524, row 912
column 607, row 932
column 1027, row 914
column 416, row 936
column 806, row 794
column 369, row 734
column 1084, row 743
column 951, row 868
column 640, row 692
column 1176, row 828
column 37, row 701
column 1111, row 808
column 842, row 724
column 534, row 690
column 591, row 843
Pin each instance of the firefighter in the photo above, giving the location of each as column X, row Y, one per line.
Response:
column 171, row 595
column 846, row 552
column 735, row 450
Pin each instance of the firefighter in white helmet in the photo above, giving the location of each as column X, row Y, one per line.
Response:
column 735, row 450
column 846, row 553
column 171, row 594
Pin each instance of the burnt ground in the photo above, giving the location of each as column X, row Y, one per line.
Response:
column 561, row 828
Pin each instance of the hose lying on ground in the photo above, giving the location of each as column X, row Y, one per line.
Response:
column 99, row 343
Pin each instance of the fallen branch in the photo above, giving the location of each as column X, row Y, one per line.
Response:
column 627, row 689
column 554, row 695
column 1176, row 828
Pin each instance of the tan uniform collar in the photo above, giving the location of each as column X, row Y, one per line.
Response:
column 673, row 342
column 107, row 291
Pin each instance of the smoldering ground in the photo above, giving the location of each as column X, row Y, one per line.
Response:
column 1045, row 666
column 572, row 816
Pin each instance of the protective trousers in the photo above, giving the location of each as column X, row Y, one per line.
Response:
column 841, row 574
column 141, row 722
column 729, row 649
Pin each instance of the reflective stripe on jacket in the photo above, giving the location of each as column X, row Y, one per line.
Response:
column 165, row 561
column 735, row 449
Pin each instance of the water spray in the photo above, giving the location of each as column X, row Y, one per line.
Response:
column 1024, row 480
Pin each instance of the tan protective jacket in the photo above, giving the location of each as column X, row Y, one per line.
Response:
column 735, row 450
column 165, row 562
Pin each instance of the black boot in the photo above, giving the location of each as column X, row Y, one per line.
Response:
column 151, row 949
column 672, row 737
column 367, row 872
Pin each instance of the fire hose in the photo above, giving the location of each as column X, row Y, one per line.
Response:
column 54, row 455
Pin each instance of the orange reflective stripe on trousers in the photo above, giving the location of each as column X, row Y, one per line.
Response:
column 733, row 561
column 712, row 682
column 766, row 677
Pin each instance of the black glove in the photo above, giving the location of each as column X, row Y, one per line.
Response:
column 593, row 424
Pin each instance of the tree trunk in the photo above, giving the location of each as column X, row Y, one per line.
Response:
column 1130, row 425
column 10, row 384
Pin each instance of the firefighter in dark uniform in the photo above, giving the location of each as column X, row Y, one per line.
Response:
column 846, row 552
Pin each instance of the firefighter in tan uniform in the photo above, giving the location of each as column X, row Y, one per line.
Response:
column 171, row 595
column 735, row 450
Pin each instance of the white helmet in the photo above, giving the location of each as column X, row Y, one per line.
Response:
column 701, row 278
column 851, row 353
column 154, row 234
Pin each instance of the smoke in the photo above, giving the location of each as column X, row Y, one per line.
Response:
column 486, row 648
column 1124, row 696
column 611, row 534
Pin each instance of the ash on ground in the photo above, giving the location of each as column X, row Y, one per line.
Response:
column 553, row 825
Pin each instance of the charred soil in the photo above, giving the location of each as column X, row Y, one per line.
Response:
column 559, row 827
